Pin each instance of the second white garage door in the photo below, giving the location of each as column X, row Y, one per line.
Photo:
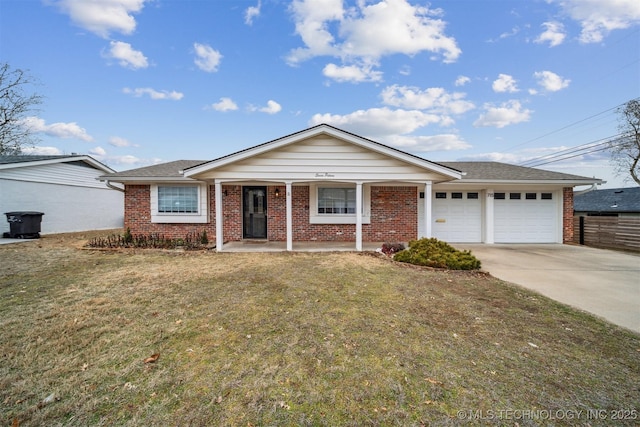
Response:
column 522, row 217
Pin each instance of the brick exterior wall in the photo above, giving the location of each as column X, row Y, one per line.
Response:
column 567, row 215
column 137, row 216
column 394, row 213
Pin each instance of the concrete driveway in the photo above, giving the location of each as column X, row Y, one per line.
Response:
column 603, row 282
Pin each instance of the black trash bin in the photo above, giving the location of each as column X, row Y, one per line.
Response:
column 24, row 225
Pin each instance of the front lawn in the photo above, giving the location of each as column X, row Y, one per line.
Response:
column 329, row 339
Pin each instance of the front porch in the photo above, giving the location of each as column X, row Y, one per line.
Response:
column 267, row 246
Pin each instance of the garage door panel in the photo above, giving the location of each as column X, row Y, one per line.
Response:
column 457, row 220
column 525, row 221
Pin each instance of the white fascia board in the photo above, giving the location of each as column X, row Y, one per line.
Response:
column 148, row 180
column 84, row 158
column 565, row 183
column 327, row 130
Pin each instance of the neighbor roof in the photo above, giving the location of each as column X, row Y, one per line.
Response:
column 504, row 172
column 608, row 200
column 24, row 160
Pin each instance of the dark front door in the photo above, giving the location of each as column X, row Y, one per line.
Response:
column 254, row 202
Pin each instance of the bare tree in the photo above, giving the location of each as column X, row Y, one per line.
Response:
column 625, row 150
column 16, row 102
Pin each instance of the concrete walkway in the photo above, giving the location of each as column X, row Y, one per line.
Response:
column 603, row 282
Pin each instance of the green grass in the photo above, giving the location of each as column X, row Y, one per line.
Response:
column 291, row 339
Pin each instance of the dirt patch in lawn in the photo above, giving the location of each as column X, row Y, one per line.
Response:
column 293, row 339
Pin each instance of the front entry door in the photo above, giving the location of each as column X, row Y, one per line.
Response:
column 254, row 202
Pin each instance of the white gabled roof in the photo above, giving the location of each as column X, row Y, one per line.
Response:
column 322, row 129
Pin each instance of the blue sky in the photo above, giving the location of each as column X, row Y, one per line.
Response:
column 137, row 82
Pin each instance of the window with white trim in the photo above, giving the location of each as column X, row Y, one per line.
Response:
column 336, row 201
column 180, row 199
column 177, row 203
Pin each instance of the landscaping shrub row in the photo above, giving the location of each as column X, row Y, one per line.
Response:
column 192, row 241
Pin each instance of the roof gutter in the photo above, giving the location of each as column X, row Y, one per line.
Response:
column 113, row 187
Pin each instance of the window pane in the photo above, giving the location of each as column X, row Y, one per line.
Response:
column 472, row 195
column 456, row 195
column 336, row 200
column 498, row 196
column 546, row 196
column 178, row 199
column 514, row 196
column 531, row 196
column 441, row 195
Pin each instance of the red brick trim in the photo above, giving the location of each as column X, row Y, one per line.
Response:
column 567, row 215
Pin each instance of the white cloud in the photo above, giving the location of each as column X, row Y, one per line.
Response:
column 495, row 157
column 508, row 113
column 376, row 122
column 272, row 107
column 117, row 141
column 207, row 58
column 101, row 17
column 225, row 104
column 394, row 128
column 127, row 56
column 352, row 73
column 550, row 81
column 599, row 17
column 154, row 94
column 251, row 13
column 58, row 130
column 505, row 83
column 98, row 151
column 415, row 144
column 554, row 34
column 435, row 99
column 462, row 80
column 366, row 32
column 42, row 151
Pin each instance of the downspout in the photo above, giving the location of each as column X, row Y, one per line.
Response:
column 592, row 188
column 113, row 187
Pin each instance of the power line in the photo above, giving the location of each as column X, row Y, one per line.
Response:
column 565, row 127
column 590, row 148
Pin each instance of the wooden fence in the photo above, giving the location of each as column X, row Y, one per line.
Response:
column 607, row 232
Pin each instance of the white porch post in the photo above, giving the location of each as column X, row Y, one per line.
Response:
column 289, row 197
column 358, row 216
column 428, row 188
column 488, row 216
column 219, row 216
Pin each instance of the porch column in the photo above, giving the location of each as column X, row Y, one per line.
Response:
column 358, row 216
column 219, row 237
column 428, row 188
column 289, row 216
column 488, row 216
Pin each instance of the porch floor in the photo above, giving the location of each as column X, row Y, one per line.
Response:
column 266, row 246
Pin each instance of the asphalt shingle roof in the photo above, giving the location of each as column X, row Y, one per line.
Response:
column 496, row 171
column 31, row 158
column 491, row 171
column 162, row 170
column 608, row 200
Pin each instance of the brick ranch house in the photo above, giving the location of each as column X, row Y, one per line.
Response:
column 324, row 184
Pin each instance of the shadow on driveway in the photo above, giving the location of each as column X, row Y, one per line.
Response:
column 603, row 282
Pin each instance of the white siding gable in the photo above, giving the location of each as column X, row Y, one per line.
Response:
column 322, row 157
column 56, row 173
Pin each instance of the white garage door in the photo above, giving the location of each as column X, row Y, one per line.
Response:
column 525, row 217
column 456, row 216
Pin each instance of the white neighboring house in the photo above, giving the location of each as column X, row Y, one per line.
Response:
column 65, row 188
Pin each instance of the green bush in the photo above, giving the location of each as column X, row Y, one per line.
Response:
column 435, row 253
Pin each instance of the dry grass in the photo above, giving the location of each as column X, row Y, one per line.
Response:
column 292, row 339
